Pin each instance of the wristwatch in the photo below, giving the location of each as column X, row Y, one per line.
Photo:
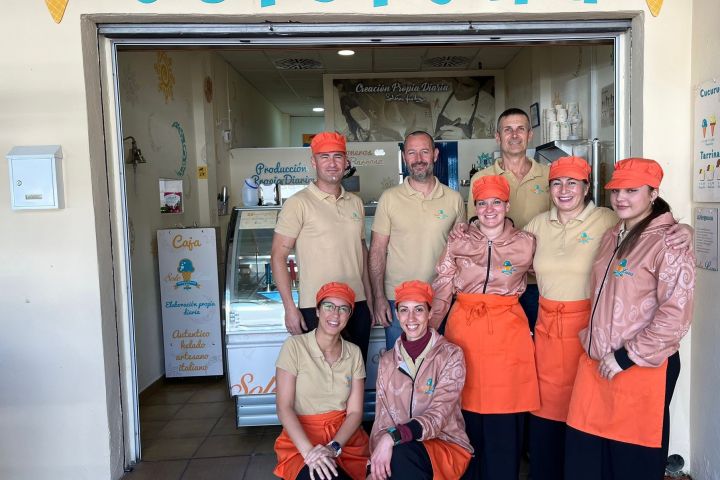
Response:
column 395, row 435
column 335, row 447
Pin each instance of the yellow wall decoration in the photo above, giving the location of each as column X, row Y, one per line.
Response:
column 654, row 6
column 56, row 9
column 166, row 79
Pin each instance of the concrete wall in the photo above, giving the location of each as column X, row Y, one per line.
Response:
column 705, row 390
column 60, row 403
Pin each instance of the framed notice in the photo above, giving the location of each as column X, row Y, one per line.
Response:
column 706, row 238
column 189, row 299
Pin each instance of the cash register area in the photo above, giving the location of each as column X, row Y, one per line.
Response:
column 188, row 432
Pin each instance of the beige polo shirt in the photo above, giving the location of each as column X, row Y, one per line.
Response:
column 564, row 253
column 319, row 386
column 418, row 228
column 328, row 235
column 528, row 197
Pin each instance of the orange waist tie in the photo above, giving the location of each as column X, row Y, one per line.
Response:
column 495, row 337
column 321, row 429
column 557, row 352
column 449, row 460
column 629, row 408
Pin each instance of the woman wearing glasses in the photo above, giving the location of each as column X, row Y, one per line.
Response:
column 319, row 398
column 419, row 432
column 486, row 267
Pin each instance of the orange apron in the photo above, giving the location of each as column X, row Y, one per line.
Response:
column 629, row 408
column 557, row 351
column 493, row 332
column 449, row 460
column 320, row 430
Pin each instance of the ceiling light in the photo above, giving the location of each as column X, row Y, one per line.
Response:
column 318, row 109
column 346, row 53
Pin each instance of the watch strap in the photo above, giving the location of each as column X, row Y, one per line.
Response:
column 336, row 447
column 395, row 435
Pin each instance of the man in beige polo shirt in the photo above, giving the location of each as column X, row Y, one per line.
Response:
column 326, row 226
column 529, row 190
column 410, row 229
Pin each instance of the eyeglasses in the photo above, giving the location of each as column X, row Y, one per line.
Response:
column 329, row 307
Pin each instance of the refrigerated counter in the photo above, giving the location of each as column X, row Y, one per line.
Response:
column 253, row 318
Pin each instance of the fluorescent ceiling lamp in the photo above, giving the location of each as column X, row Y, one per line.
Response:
column 346, row 53
column 318, row 109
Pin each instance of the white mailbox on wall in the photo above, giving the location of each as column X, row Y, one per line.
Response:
column 35, row 177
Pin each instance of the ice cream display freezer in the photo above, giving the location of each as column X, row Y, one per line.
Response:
column 253, row 318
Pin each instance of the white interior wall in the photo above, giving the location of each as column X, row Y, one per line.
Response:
column 302, row 125
column 705, row 382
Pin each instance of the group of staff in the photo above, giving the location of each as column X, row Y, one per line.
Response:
column 615, row 299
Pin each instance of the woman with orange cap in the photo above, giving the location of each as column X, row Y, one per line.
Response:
column 419, row 432
column 618, row 418
column 320, row 386
column 567, row 237
column 486, row 268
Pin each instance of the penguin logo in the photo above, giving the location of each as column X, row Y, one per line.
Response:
column 507, row 268
column 621, row 269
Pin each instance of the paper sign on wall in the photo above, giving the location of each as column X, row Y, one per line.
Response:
column 706, row 238
column 706, row 166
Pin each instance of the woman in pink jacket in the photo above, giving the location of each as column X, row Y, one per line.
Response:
column 486, row 268
column 419, row 431
column 642, row 298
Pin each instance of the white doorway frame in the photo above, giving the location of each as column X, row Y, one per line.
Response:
column 112, row 37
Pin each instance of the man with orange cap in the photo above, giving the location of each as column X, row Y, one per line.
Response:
column 326, row 226
column 410, row 229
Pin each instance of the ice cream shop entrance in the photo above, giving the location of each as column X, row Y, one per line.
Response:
column 210, row 105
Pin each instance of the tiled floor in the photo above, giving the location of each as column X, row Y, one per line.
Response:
column 188, row 433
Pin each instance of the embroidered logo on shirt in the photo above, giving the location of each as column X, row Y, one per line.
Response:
column 538, row 189
column 584, row 238
column 428, row 388
column 507, row 268
column 356, row 216
column 441, row 215
column 621, row 269
column 348, row 381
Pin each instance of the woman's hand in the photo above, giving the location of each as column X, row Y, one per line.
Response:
column 608, row 366
column 380, row 459
column 321, row 463
column 679, row 237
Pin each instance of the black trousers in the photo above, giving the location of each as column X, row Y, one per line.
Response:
column 589, row 457
column 530, row 303
column 305, row 474
column 410, row 461
column 358, row 327
column 547, row 448
column 497, row 440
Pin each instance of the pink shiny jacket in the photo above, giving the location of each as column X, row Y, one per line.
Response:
column 432, row 398
column 643, row 301
column 475, row 264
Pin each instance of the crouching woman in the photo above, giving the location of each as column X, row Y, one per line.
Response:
column 419, row 432
column 320, row 386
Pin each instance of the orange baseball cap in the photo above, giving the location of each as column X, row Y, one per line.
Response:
column 414, row 290
column 328, row 142
column 490, row 186
column 337, row 290
column 573, row 167
column 635, row 172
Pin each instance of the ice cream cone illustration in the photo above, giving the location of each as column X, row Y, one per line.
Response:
column 704, row 126
column 56, row 9
column 713, row 121
column 186, row 269
column 654, row 6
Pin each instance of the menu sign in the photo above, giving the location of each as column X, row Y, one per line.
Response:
column 190, row 302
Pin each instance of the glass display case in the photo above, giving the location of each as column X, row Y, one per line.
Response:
column 253, row 317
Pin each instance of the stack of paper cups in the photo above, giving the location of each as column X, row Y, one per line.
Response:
column 553, row 131
column 564, row 130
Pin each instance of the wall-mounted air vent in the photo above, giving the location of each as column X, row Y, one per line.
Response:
column 452, row 61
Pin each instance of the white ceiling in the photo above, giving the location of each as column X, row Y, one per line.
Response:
column 297, row 91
